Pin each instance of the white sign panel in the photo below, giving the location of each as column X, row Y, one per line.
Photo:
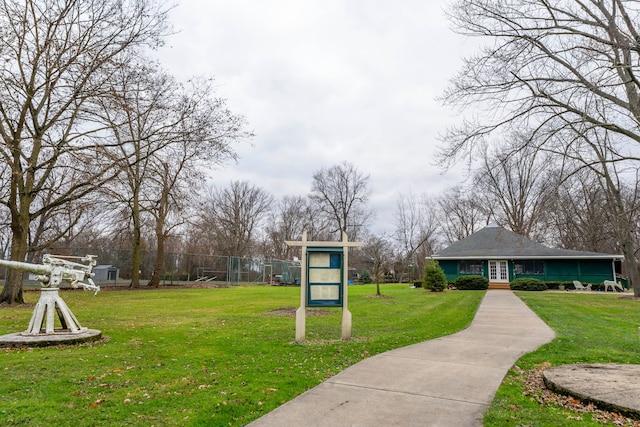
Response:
column 319, row 260
column 319, row 292
column 324, row 275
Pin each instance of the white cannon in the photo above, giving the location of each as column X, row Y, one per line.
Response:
column 53, row 271
column 56, row 269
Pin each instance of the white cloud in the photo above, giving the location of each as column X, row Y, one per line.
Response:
column 323, row 81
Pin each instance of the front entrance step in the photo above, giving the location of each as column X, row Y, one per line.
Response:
column 499, row 285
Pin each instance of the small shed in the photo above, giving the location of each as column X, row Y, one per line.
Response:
column 104, row 273
column 502, row 255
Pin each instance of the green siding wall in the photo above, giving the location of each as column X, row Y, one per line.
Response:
column 588, row 271
column 450, row 269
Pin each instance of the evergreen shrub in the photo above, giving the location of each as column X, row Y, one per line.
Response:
column 472, row 282
column 434, row 278
column 528, row 284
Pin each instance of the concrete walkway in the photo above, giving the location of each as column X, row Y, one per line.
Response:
column 448, row 381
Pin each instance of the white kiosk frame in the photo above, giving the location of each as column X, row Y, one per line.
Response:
column 301, row 313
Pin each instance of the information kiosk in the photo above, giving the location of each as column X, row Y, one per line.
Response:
column 324, row 281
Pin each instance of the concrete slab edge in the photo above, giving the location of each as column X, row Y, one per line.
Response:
column 600, row 403
column 19, row 340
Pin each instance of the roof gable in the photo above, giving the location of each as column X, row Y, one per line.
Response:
column 496, row 242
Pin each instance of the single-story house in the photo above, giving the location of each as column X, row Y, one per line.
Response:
column 502, row 255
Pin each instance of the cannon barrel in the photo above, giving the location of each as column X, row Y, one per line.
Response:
column 25, row 266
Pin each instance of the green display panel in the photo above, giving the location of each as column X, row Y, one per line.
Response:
column 324, row 277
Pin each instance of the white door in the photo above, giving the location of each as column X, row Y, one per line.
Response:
column 498, row 271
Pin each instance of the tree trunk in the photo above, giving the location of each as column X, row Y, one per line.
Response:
column 161, row 235
column 624, row 231
column 137, row 239
column 12, row 290
column 158, row 267
column 632, row 268
column 135, row 259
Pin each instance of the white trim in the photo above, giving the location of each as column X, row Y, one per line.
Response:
column 501, row 273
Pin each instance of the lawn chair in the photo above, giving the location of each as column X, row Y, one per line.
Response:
column 613, row 285
column 580, row 287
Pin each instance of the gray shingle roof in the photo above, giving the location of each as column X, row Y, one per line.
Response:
column 497, row 243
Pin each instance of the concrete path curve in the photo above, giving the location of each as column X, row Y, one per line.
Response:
column 449, row 381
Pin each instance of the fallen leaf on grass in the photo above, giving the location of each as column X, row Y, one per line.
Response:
column 95, row 404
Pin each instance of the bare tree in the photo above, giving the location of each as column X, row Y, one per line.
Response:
column 232, row 216
column 140, row 118
column 61, row 223
column 291, row 216
column 595, row 151
column 341, row 193
column 548, row 67
column 288, row 220
column 202, row 137
column 415, row 232
column 55, row 57
column 378, row 253
column 462, row 212
column 316, row 223
column 566, row 70
column 163, row 132
column 169, row 192
column 580, row 215
column 90, row 230
column 518, row 185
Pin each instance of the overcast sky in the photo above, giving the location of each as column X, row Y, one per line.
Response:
column 326, row 81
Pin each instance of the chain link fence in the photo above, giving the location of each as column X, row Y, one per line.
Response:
column 188, row 268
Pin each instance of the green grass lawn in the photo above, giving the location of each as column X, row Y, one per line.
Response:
column 589, row 328
column 205, row 356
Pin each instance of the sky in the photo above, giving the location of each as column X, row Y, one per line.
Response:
column 321, row 82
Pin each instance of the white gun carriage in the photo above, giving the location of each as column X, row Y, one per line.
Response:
column 55, row 271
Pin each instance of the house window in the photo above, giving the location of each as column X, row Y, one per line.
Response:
column 529, row 267
column 470, row 267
